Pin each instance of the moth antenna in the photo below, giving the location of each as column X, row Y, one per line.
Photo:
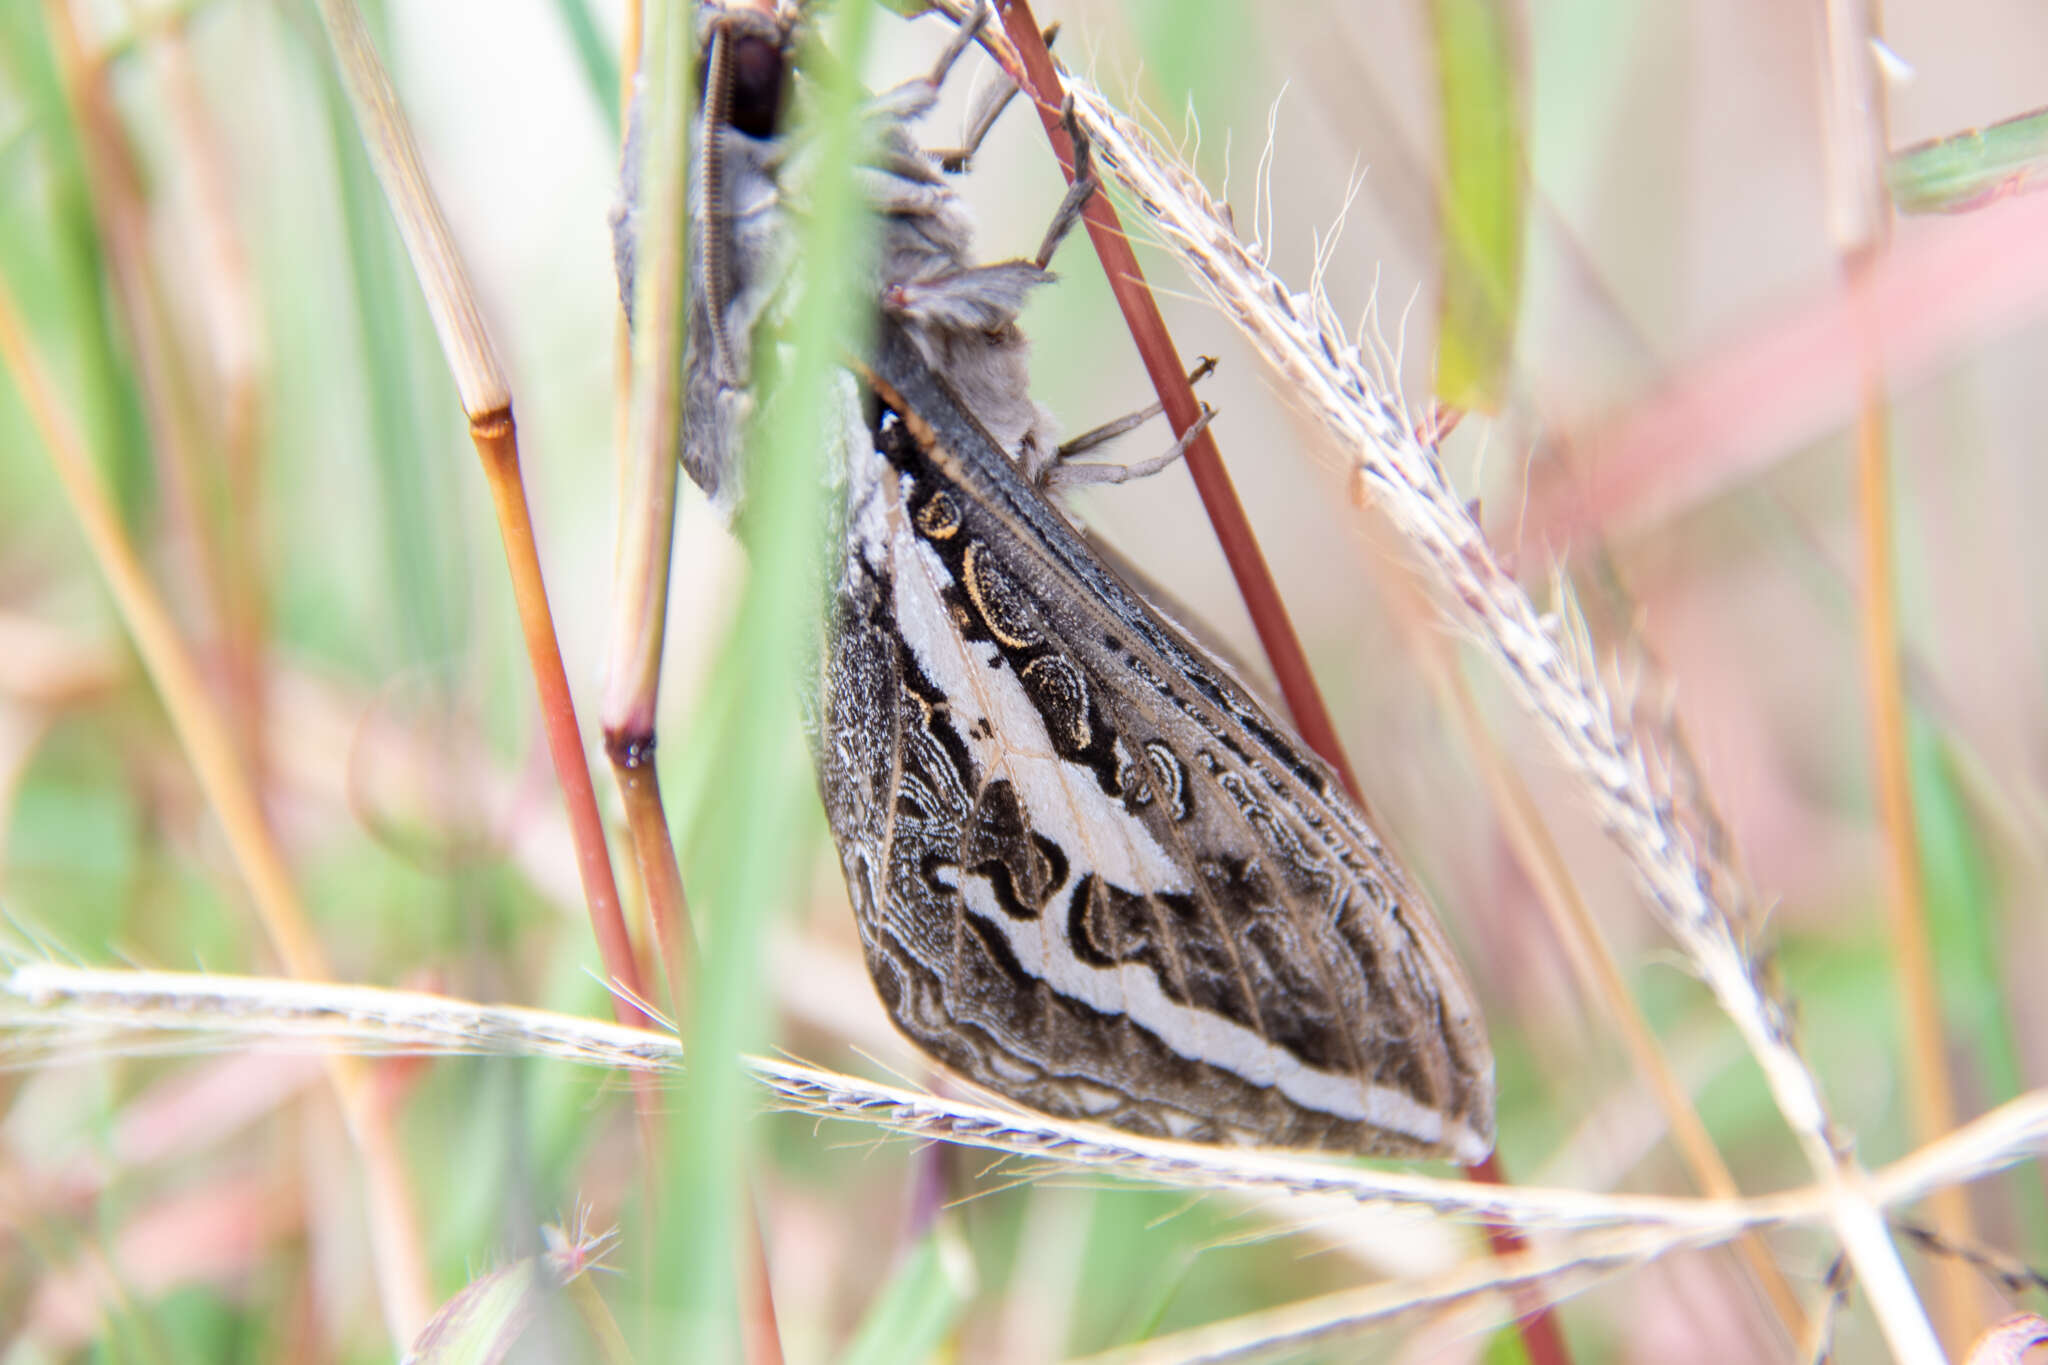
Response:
column 711, row 186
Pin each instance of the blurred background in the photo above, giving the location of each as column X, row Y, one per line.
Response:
column 203, row 263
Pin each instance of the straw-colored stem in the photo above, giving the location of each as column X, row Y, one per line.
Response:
column 595, row 1316
column 650, row 385
column 632, row 25
column 1912, row 948
column 1859, row 211
column 1600, row 976
column 647, row 433
column 209, row 745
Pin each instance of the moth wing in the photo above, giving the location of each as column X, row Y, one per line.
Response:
column 1091, row 872
column 1278, row 974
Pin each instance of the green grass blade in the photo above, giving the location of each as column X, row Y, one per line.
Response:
column 1971, row 169
column 911, row 1317
column 51, row 252
column 1970, row 945
column 1484, row 201
column 755, row 812
column 594, row 59
column 390, row 317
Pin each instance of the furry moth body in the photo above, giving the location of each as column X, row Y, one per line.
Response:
column 1090, row 871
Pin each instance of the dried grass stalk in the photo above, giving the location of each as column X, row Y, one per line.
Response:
column 1547, row 662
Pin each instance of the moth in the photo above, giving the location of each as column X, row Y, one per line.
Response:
column 1091, row 872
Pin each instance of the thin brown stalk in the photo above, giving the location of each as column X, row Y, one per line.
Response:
column 209, row 745
column 497, row 444
column 1600, row 977
column 1860, row 214
column 178, row 441
column 1277, row 638
column 487, row 402
column 661, row 879
column 233, row 326
column 1169, row 377
column 650, row 383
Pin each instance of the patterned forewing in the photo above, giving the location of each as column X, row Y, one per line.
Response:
column 1090, row 872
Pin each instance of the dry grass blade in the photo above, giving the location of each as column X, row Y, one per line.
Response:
column 1546, row 662
column 75, row 1011
column 451, row 301
column 72, row 1011
column 1470, row 1299
column 58, row 1009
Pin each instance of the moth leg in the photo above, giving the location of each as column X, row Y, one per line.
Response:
column 1079, row 193
column 988, row 106
column 1063, row 475
column 914, row 98
column 1130, row 421
column 967, row 32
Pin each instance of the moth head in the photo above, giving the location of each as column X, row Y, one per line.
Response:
column 746, row 54
column 736, row 236
column 750, row 165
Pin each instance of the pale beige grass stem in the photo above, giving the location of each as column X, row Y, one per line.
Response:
column 210, row 747
column 49, row 1010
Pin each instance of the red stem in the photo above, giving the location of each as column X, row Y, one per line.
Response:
column 1540, row 1335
